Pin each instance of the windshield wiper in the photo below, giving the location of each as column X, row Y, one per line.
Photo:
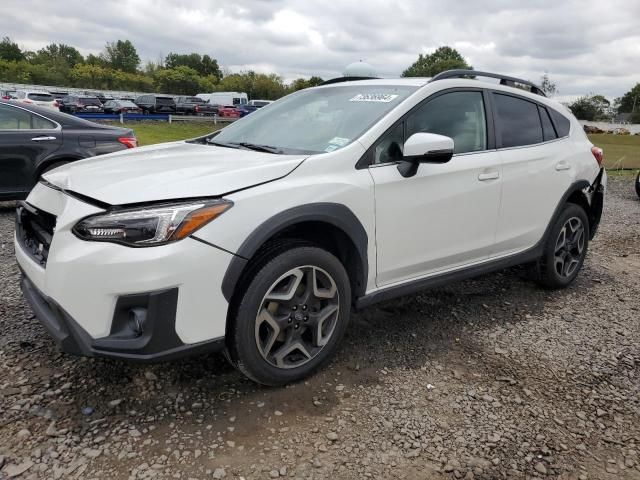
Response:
column 221, row 144
column 259, row 148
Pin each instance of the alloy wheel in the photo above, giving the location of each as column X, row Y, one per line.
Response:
column 297, row 317
column 570, row 246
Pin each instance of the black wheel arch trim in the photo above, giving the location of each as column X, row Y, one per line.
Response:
column 334, row 214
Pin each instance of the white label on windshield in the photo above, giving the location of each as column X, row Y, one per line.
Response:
column 373, row 97
column 339, row 141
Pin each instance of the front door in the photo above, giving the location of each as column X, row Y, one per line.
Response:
column 445, row 216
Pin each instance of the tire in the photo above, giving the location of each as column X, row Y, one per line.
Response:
column 274, row 341
column 562, row 260
column 638, row 184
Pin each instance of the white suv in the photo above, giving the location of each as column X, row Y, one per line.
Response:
column 260, row 238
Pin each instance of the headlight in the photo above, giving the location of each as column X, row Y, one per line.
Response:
column 150, row 226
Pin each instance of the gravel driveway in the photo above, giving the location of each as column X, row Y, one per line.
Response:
column 489, row 378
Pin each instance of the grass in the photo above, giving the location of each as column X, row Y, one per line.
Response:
column 149, row 133
column 620, row 151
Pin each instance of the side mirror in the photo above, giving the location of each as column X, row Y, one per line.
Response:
column 424, row 148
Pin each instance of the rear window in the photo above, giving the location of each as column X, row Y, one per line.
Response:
column 195, row 100
column 164, row 101
column 561, row 122
column 518, row 121
column 40, row 97
column 90, row 101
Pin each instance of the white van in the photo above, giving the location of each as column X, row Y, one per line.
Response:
column 225, row 98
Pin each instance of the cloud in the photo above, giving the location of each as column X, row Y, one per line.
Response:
column 585, row 46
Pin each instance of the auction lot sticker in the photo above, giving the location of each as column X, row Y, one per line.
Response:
column 373, row 97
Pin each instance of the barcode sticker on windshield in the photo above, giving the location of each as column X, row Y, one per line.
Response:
column 373, row 97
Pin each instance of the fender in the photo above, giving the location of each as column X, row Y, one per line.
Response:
column 335, row 214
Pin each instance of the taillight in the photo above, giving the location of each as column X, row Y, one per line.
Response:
column 129, row 142
column 6, row 97
column 27, row 101
column 56, row 104
column 598, row 154
column 197, row 109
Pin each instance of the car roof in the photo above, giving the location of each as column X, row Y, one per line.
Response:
column 409, row 81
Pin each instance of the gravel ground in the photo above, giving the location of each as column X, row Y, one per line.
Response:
column 489, row 378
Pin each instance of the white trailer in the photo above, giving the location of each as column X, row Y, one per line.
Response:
column 225, row 98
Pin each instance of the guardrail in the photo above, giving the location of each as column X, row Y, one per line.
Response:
column 162, row 117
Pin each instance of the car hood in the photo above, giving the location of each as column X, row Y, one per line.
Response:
column 170, row 171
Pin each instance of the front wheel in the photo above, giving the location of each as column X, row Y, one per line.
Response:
column 565, row 248
column 291, row 317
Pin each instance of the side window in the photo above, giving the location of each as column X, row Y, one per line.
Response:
column 389, row 148
column 40, row 123
column 548, row 132
column 459, row 115
column 518, row 121
column 14, row 119
column 561, row 122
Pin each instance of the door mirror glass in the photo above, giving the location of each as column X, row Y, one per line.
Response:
column 424, row 148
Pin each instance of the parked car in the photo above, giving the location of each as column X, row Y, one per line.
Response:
column 225, row 98
column 259, row 240
column 7, row 94
column 35, row 140
column 228, row 111
column 32, row 97
column 245, row 109
column 638, row 184
column 120, row 106
column 156, row 104
column 260, row 103
column 194, row 106
column 80, row 104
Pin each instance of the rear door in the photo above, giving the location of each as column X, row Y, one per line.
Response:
column 445, row 216
column 536, row 166
column 25, row 140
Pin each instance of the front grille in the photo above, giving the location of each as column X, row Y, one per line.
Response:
column 34, row 231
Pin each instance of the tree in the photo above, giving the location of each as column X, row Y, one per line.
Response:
column 590, row 107
column 300, row 83
column 203, row 64
column 630, row 101
column 57, row 54
column 429, row 65
column 547, row 86
column 121, row 55
column 181, row 80
column 10, row 51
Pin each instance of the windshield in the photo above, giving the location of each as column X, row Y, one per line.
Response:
column 316, row 120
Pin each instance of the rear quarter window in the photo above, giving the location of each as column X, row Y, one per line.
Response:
column 561, row 123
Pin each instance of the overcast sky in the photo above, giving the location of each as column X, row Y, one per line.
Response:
column 585, row 45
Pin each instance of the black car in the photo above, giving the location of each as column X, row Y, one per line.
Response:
column 120, row 106
column 194, row 106
column 156, row 104
column 77, row 104
column 34, row 140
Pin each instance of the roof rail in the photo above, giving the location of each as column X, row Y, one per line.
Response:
column 504, row 79
column 346, row 79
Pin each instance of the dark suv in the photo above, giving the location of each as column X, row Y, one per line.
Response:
column 77, row 104
column 156, row 104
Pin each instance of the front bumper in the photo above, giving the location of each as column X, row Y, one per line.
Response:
column 157, row 342
column 85, row 292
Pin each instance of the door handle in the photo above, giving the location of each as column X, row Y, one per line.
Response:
column 562, row 166
column 483, row 177
column 43, row 139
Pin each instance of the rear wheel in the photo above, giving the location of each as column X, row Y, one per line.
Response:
column 565, row 249
column 291, row 317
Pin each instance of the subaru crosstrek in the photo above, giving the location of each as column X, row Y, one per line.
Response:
column 259, row 239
